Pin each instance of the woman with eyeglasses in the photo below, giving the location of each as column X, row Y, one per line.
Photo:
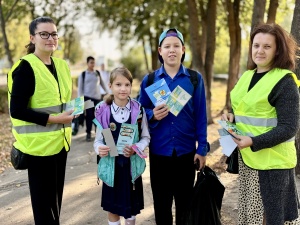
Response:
column 38, row 87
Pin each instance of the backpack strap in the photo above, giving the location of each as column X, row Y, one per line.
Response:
column 193, row 78
column 83, row 77
column 100, row 78
column 150, row 79
column 139, row 122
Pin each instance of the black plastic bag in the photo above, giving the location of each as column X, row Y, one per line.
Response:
column 205, row 207
column 233, row 162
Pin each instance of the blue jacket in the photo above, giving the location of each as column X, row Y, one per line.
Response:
column 106, row 166
column 179, row 132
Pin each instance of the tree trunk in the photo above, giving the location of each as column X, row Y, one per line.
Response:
column 195, row 39
column 258, row 13
column 272, row 11
column 235, row 47
column 4, row 36
column 210, row 52
column 204, row 28
column 145, row 56
column 295, row 32
column 154, row 51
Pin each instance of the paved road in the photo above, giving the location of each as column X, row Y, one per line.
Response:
column 82, row 194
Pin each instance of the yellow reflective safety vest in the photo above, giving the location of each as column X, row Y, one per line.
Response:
column 49, row 97
column 255, row 116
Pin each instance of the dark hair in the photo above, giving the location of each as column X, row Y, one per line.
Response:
column 32, row 28
column 89, row 58
column 286, row 47
column 119, row 71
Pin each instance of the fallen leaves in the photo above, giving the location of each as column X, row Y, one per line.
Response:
column 6, row 141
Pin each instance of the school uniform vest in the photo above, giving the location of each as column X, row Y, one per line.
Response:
column 106, row 166
column 49, row 97
column 255, row 116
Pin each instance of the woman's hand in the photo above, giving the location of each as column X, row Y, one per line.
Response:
column 128, row 151
column 227, row 117
column 242, row 141
column 64, row 118
column 160, row 112
column 103, row 150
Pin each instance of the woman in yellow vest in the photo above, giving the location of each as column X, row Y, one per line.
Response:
column 38, row 87
column 265, row 104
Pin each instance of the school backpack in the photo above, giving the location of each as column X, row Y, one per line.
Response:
column 139, row 123
column 83, row 77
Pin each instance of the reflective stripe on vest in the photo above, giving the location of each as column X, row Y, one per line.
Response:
column 40, row 129
column 271, row 122
column 255, row 116
column 50, row 96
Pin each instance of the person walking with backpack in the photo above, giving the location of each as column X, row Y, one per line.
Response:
column 172, row 148
column 88, row 86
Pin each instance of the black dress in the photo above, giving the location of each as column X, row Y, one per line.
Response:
column 124, row 198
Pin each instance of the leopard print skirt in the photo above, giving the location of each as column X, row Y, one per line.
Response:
column 250, row 206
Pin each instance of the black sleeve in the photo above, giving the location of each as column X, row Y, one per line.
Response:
column 22, row 90
column 285, row 98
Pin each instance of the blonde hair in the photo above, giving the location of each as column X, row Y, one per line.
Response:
column 119, row 71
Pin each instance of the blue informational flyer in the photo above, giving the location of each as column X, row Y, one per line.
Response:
column 126, row 136
column 158, row 92
column 177, row 100
column 77, row 104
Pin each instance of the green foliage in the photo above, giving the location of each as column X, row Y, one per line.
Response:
column 18, row 15
column 134, row 61
column 15, row 16
column 141, row 20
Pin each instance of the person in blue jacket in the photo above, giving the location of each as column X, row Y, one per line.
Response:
column 173, row 149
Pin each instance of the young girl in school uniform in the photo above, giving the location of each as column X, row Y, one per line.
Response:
column 122, row 191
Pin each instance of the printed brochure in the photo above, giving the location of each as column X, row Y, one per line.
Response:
column 227, row 136
column 230, row 128
column 177, row 100
column 77, row 104
column 126, row 136
column 158, row 92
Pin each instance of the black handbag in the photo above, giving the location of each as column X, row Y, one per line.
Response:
column 233, row 162
column 19, row 159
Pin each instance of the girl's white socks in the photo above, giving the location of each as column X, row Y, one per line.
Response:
column 114, row 223
column 130, row 221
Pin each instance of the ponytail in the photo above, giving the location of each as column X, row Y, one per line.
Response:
column 30, row 48
column 110, row 99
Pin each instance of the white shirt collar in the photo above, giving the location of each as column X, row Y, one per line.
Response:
column 115, row 109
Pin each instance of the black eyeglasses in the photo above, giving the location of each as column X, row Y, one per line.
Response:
column 46, row 35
